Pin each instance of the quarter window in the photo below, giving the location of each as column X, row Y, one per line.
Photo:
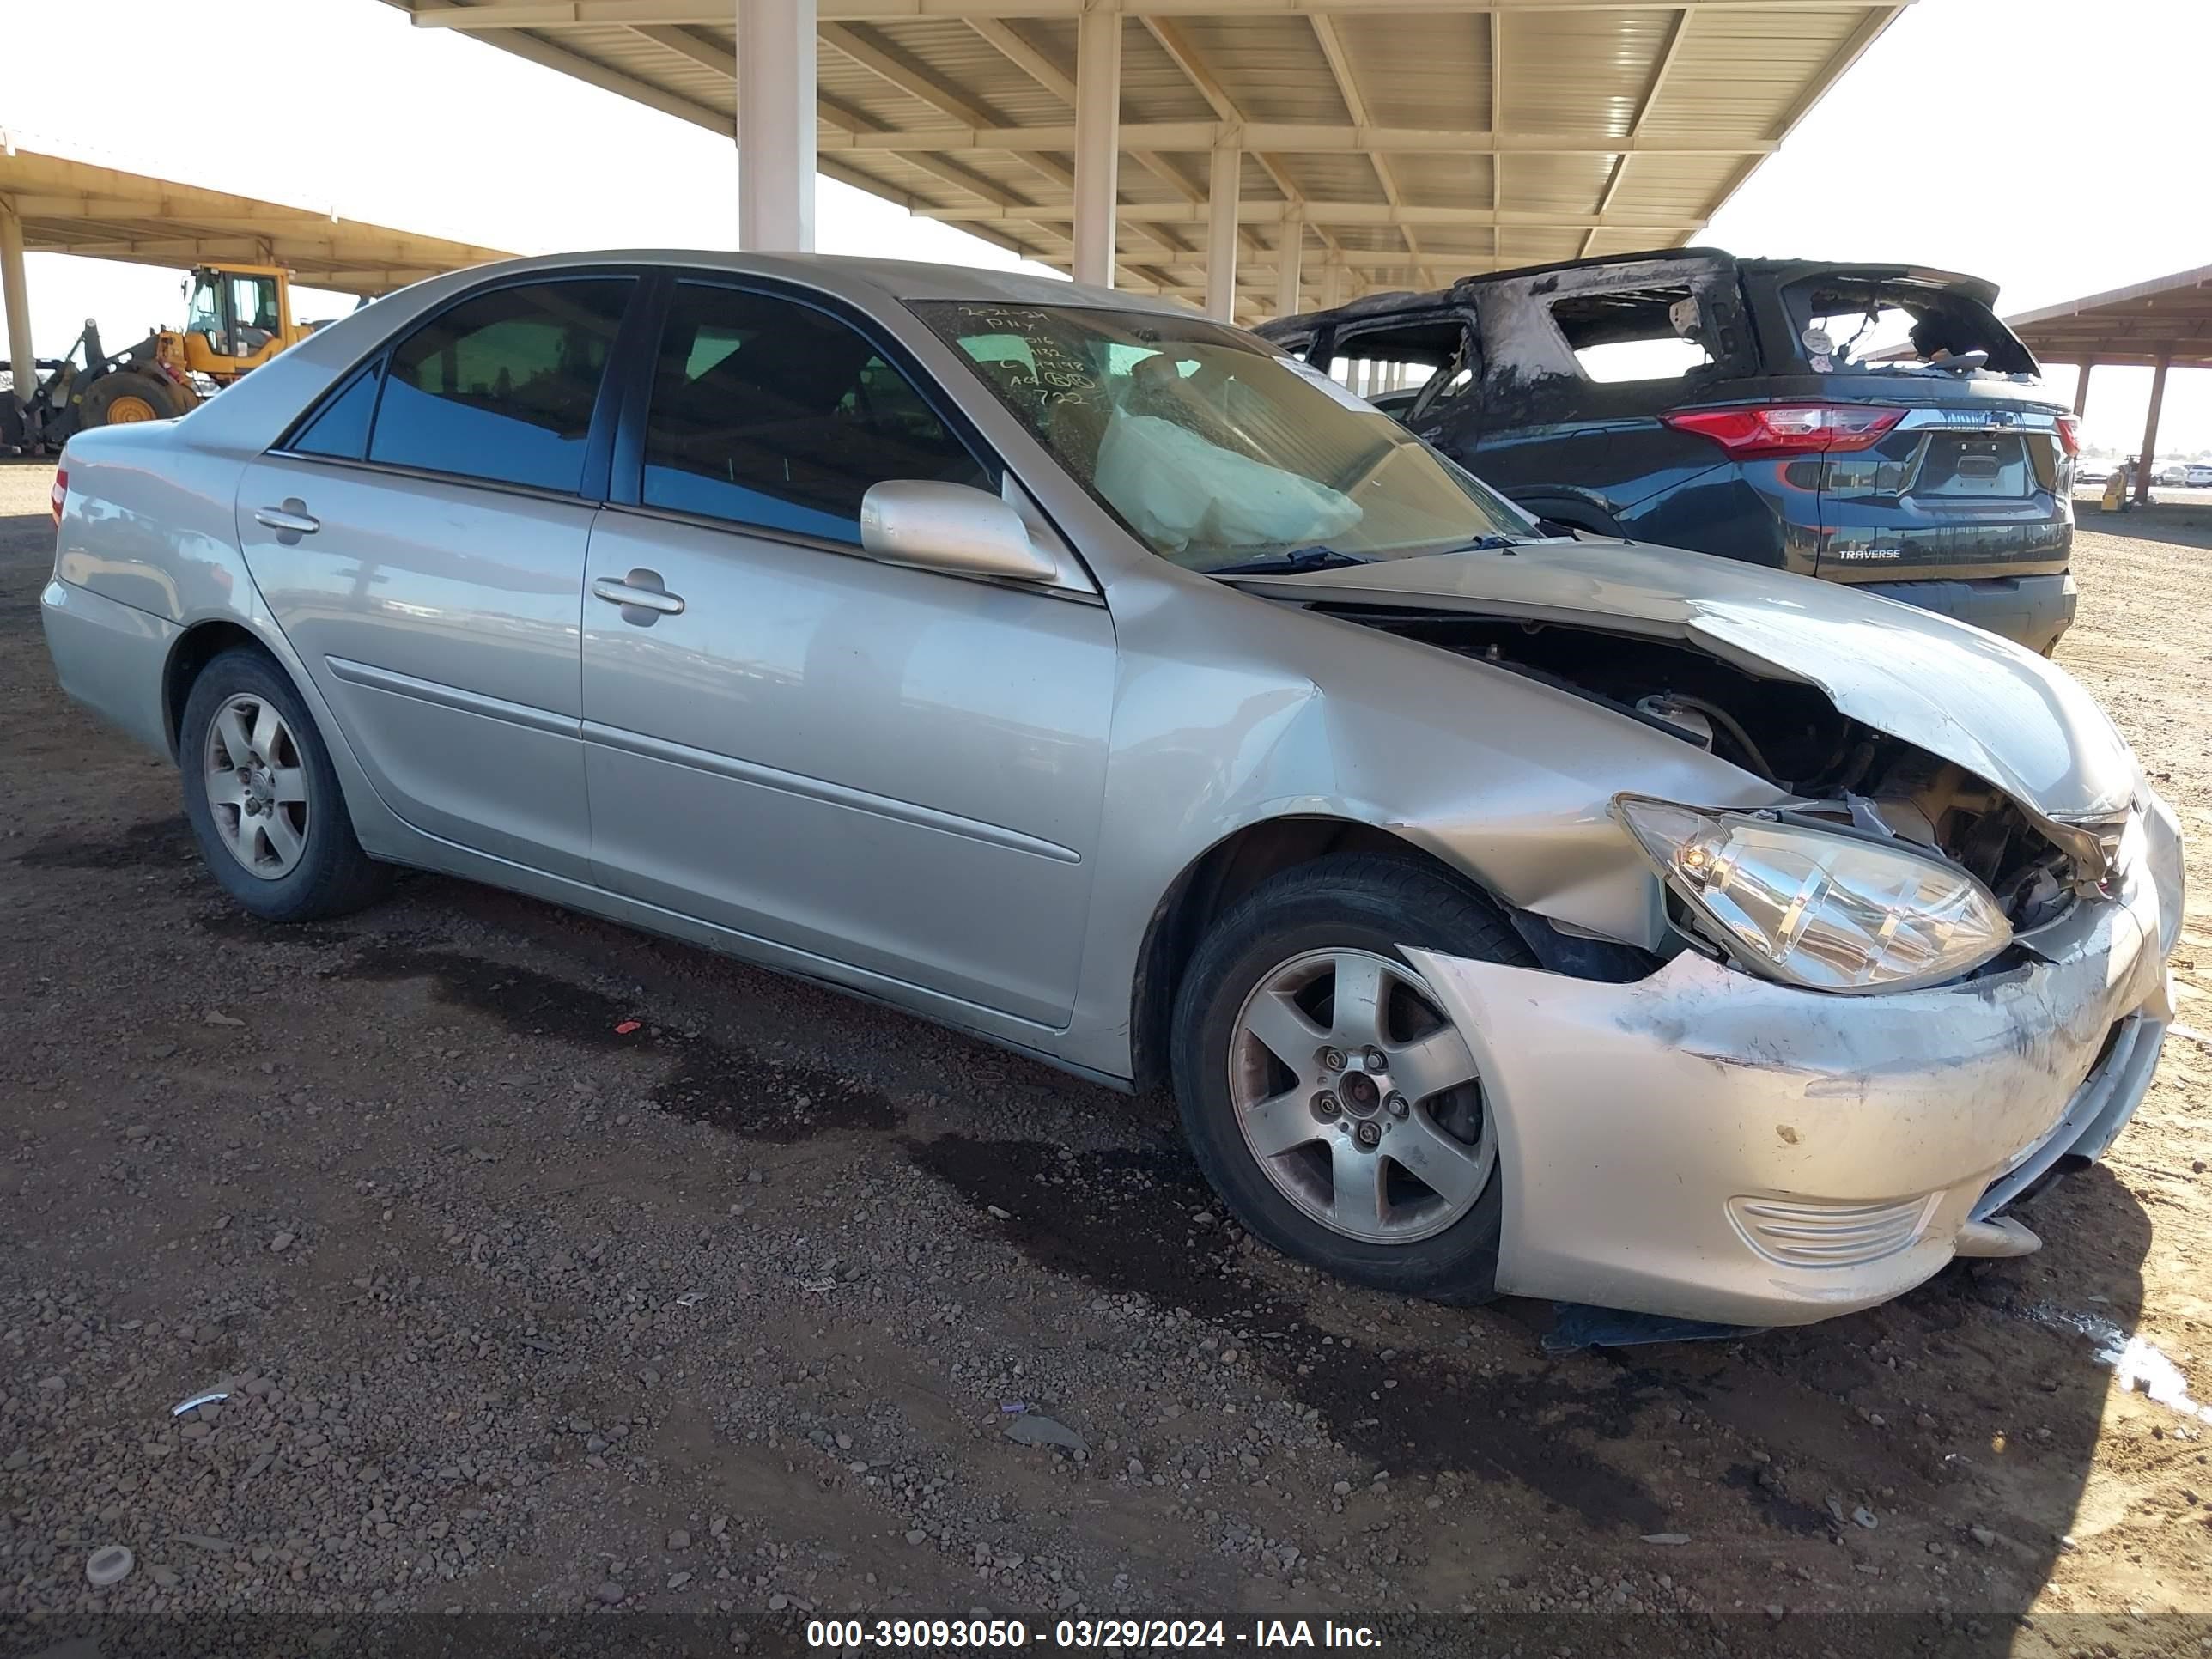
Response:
column 340, row 429
column 771, row 413
column 502, row 386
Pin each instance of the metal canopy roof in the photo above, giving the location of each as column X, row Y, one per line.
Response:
column 1403, row 141
column 69, row 206
column 2168, row 320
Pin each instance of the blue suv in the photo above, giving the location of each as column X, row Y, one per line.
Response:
column 1872, row 424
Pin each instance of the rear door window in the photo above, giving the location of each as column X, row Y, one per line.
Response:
column 768, row 412
column 502, row 386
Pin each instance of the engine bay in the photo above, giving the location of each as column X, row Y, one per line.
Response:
column 1785, row 732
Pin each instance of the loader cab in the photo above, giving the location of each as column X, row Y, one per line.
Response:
column 236, row 316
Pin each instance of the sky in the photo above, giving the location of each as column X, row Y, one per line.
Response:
column 2049, row 145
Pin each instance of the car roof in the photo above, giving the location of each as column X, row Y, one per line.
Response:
column 263, row 402
column 862, row 279
column 1779, row 271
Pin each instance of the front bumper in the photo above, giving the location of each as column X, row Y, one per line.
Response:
column 1710, row 1145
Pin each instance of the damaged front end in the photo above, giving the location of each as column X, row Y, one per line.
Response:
column 1835, row 774
column 1853, row 1021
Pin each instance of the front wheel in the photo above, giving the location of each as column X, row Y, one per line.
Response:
column 1325, row 1092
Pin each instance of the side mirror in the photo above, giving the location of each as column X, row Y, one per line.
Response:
column 949, row 526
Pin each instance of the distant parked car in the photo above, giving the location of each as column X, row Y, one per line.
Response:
column 2198, row 475
column 1767, row 411
column 2092, row 472
column 2173, row 473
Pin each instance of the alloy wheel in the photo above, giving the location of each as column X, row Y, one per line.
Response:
column 257, row 785
column 1359, row 1099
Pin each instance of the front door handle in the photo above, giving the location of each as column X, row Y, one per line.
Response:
column 290, row 521
column 642, row 594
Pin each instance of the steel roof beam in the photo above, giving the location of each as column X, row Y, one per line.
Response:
column 1061, row 211
column 549, row 15
column 1667, row 56
column 1292, row 138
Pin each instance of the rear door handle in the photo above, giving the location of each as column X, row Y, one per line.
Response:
column 642, row 590
column 290, row 521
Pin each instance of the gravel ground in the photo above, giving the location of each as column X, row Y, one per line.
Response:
column 520, row 1310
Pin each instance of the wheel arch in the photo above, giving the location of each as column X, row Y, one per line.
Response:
column 194, row 649
column 1216, row 880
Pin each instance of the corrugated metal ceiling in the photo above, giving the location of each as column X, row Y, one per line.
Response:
column 1478, row 132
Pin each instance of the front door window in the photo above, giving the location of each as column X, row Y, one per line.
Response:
column 769, row 413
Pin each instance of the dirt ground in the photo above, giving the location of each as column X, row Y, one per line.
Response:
column 521, row 1309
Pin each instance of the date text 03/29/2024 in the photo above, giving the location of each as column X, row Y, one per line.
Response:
column 1001, row 1635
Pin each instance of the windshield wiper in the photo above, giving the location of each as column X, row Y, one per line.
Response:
column 1301, row 558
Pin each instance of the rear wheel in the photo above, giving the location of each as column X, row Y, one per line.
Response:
column 127, row 396
column 263, row 799
column 1327, row 1095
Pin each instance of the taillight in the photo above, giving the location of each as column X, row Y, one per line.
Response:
column 60, row 496
column 1788, row 428
column 2069, row 435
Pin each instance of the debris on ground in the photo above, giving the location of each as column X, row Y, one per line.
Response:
column 1576, row 1325
column 1034, row 1428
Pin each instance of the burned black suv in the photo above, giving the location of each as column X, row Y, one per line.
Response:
column 1870, row 424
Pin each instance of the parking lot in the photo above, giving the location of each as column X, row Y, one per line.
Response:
column 550, row 1267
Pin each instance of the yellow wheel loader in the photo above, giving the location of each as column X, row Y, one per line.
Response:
column 236, row 318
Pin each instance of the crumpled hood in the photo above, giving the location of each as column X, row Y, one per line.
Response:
column 1989, row 705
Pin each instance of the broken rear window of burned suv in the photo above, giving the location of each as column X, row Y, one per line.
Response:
column 1875, row 323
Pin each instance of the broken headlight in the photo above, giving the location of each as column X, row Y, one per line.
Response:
column 1829, row 910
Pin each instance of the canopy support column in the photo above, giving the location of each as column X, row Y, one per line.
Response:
column 1225, row 177
column 16, row 292
column 2081, row 386
column 1288, row 258
column 1097, row 141
column 2148, row 460
column 775, row 125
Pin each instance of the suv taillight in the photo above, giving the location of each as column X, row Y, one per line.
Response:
column 1787, row 428
column 2069, row 435
column 60, row 496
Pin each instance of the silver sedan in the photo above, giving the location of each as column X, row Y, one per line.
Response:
column 1508, row 912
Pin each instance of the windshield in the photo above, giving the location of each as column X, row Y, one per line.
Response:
column 1213, row 447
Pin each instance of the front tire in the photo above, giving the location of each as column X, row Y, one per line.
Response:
column 263, row 798
column 1326, row 1095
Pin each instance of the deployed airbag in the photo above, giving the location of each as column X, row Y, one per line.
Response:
column 1175, row 488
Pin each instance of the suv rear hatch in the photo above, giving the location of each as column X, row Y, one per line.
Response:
column 1950, row 458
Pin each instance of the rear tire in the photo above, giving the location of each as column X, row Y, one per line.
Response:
column 1383, row 1175
column 263, row 798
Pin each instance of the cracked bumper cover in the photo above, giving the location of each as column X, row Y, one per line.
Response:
column 1711, row 1145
